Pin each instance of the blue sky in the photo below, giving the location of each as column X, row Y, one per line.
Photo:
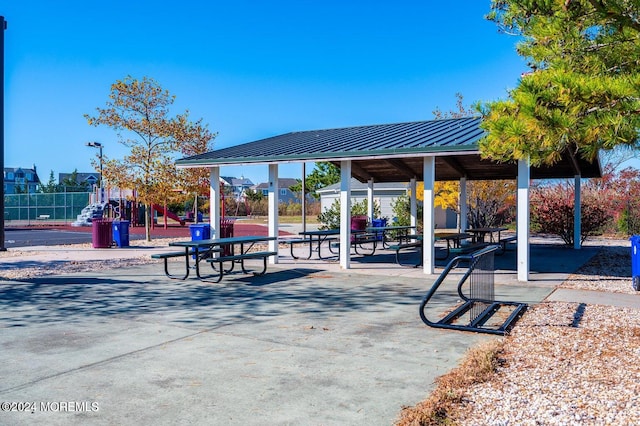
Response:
column 250, row 69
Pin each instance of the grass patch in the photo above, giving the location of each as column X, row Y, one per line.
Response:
column 478, row 365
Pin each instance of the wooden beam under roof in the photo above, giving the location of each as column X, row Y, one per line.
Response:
column 455, row 165
column 359, row 173
column 402, row 167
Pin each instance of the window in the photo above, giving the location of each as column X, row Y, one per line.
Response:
column 10, row 176
column 265, row 192
column 283, row 191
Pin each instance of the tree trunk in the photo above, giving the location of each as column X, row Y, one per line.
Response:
column 147, row 221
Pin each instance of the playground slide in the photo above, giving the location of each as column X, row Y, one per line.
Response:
column 167, row 213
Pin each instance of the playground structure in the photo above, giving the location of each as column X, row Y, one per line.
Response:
column 486, row 315
column 120, row 205
column 166, row 213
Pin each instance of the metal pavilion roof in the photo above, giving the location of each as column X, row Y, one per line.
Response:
column 388, row 152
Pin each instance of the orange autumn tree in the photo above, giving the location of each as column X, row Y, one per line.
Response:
column 139, row 111
column 489, row 202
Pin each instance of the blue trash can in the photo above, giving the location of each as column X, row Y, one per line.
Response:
column 635, row 261
column 121, row 233
column 200, row 231
column 379, row 223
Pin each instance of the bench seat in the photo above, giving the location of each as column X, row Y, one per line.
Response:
column 409, row 244
column 250, row 255
column 170, row 254
column 358, row 240
column 412, row 244
column 468, row 248
column 310, row 241
column 241, row 258
column 503, row 243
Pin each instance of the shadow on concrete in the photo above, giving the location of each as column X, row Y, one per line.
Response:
column 137, row 293
column 544, row 258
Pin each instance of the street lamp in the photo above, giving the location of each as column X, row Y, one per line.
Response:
column 99, row 146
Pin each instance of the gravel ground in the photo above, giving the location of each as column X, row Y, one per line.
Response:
column 9, row 272
column 568, row 363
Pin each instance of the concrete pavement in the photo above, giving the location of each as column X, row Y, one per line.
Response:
column 305, row 344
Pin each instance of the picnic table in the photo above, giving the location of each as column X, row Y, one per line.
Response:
column 453, row 239
column 310, row 238
column 479, row 234
column 210, row 251
column 382, row 233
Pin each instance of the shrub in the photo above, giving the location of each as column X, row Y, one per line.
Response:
column 330, row 218
column 401, row 208
column 552, row 211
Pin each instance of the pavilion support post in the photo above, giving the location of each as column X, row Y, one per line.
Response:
column 303, row 199
column 523, row 220
column 428, row 249
column 413, row 204
column 577, row 211
column 370, row 207
column 214, row 201
column 345, row 214
column 463, row 221
column 273, row 203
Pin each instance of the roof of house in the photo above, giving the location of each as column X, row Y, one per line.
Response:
column 390, row 152
column 282, row 183
column 80, row 177
column 233, row 181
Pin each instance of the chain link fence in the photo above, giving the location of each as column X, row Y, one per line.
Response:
column 59, row 207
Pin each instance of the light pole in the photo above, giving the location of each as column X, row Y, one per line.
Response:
column 3, row 27
column 99, row 146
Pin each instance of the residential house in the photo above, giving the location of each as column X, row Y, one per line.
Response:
column 286, row 195
column 87, row 180
column 19, row 180
column 236, row 186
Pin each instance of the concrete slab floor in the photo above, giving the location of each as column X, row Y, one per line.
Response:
column 296, row 346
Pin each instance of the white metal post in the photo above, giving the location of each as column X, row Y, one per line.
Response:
column 464, row 209
column 345, row 214
column 273, row 210
column 428, row 231
column 214, row 201
column 370, row 209
column 523, row 220
column 413, row 205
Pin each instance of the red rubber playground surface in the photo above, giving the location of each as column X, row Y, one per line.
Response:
column 172, row 231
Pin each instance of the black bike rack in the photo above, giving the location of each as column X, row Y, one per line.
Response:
column 480, row 303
